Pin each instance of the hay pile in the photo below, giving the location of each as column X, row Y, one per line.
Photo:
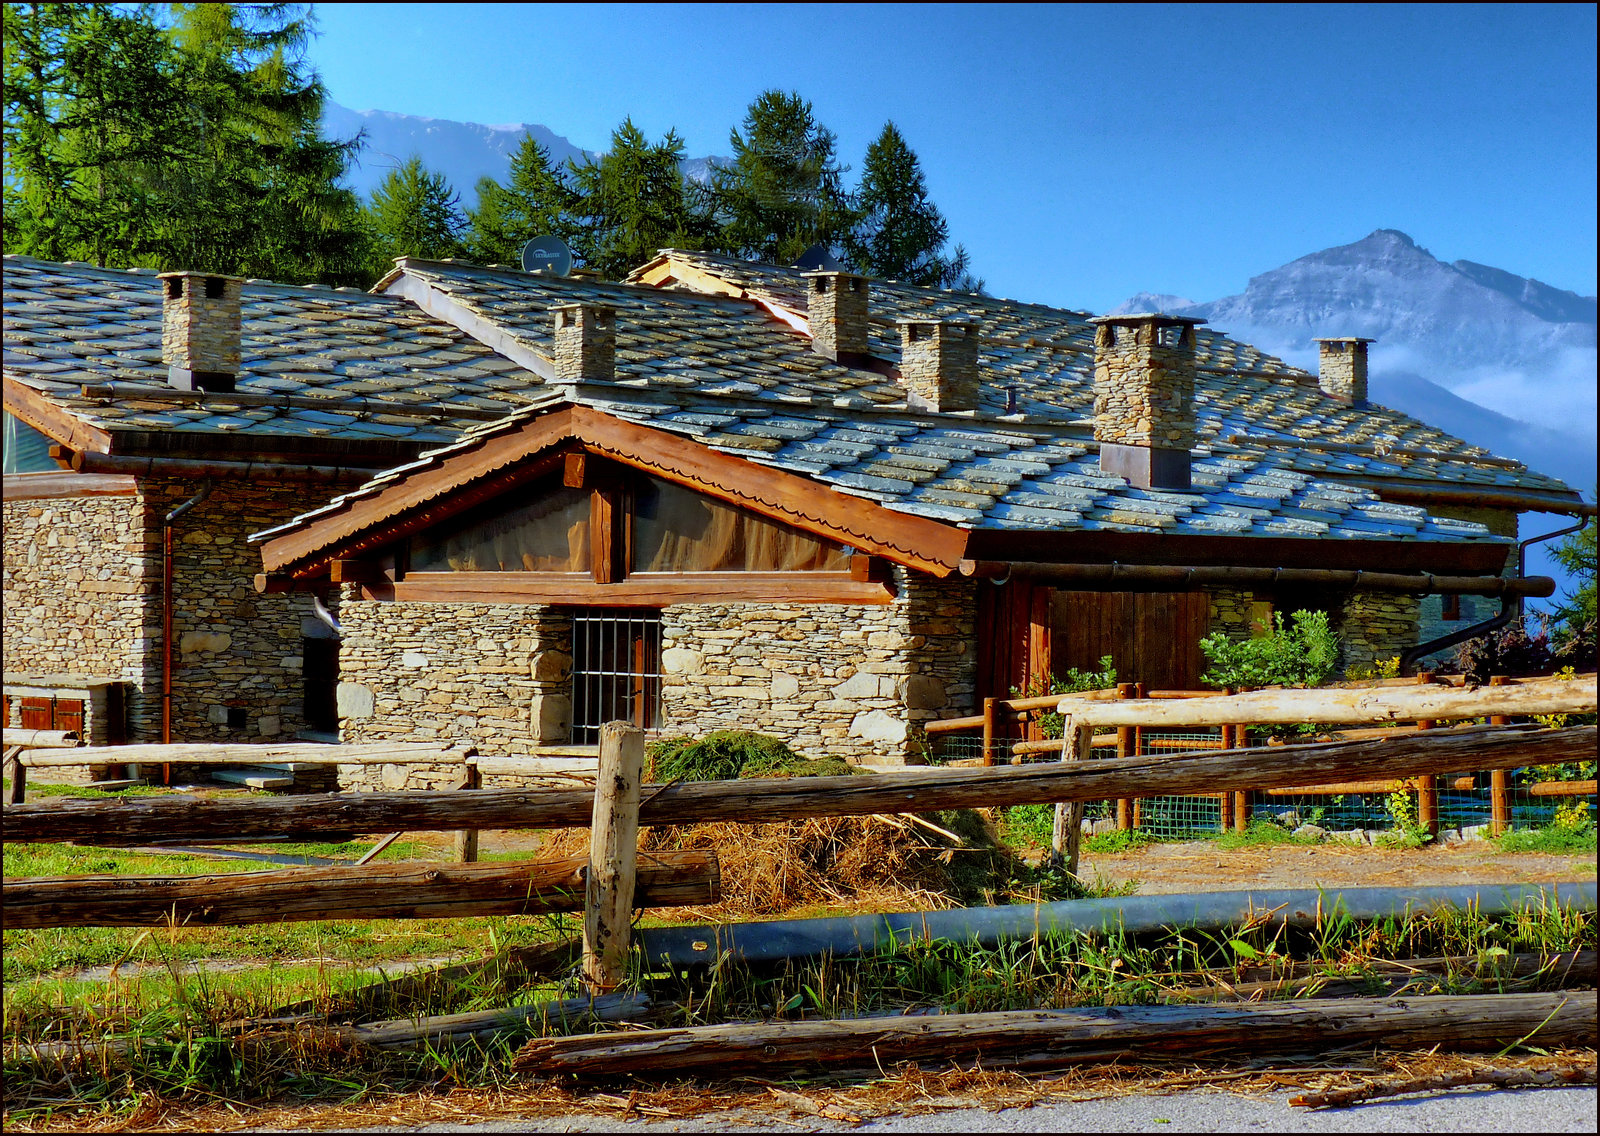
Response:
column 881, row 862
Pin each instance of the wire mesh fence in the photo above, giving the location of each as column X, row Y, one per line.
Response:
column 1196, row 817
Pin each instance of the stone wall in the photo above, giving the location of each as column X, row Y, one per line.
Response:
column 1144, row 386
column 1229, row 612
column 852, row 681
column 1375, row 627
column 1474, row 609
column 75, row 591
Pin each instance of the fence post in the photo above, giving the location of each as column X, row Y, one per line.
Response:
column 1428, row 786
column 1125, row 748
column 988, row 731
column 1241, row 797
column 613, row 857
column 1499, row 779
column 1138, row 748
column 1076, row 743
column 18, row 775
column 467, row 838
column 1225, row 800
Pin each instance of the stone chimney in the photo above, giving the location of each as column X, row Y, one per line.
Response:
column 1342, row 369
column 586, row 342
column 1144, row 398
column 200, row 330
column 836, row 309
column 939, row 364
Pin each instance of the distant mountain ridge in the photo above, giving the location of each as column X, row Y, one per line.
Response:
column 1498, row 359
column 462, row 151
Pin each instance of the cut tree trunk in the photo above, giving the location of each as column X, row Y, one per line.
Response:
column 185, row 753
column 381, row 891
column 1037, row 1038
column 148, row 819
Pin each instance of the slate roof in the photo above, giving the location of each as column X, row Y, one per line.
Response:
column 734, row 375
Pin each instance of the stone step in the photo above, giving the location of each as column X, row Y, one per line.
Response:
column 126, row 783
column 290, row 766
column 253, row 778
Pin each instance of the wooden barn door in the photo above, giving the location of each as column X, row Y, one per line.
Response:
column 1153, row 637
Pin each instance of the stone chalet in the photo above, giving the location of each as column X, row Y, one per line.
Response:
column 486, row 506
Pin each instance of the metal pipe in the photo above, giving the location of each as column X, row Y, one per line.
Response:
column 1180, row 578
column 987, row 926
column 1510, row 607
column 166, row 617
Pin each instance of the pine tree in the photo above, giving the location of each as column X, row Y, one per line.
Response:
column 901, row 233
column 537, row 200
column 413, row 212
column 633, row 202
column 782, row 193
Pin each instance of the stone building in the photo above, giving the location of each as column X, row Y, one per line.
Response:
column 484, row 506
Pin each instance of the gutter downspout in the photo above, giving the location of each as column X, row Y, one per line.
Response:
column 166, row 618
column 1510, row 608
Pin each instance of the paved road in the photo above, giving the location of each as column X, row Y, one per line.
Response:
column 1468, row 1110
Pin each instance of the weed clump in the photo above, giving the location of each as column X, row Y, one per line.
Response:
column 726, row 755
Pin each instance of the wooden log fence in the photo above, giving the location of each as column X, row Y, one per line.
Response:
column 139, row 821
column 375, row 891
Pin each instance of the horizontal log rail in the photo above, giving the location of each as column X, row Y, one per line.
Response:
column 1560, row 789
column 377, row 891
column 310, row 753
column 1390, row 704
column 1392, row 785
column 147, row 819
column 40, row 739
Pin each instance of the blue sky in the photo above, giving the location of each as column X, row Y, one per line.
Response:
column 1081, row 153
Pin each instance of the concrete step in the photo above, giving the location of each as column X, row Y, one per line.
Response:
column 254, row 778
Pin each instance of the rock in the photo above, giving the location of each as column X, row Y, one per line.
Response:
column 1289, row 818
column 554, row 666
column 355, row 700
column 1103, row 825
column 681, row 660
column 1475, row 832
column 195, row 641
column 859, row 685
column 1450, row 836
column 924, row 692
column 784, row 686
column 413, row 659
column 1312, row 832
column 878, row 726
column 394, row 777
column 550, row 716
column 268, row 725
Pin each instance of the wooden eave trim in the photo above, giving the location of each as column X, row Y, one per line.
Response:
column 354, row 528
column 55, row 422
column 912, row 541
column 698, row 279
column 639, row 590
column 1097, row 547
column 61, row 484
column 496, row 338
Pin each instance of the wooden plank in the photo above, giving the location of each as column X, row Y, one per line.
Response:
column 58, row 424
column 644, row 589
column 1385, row 704
column 753, row 801
column 1058, row 1037
column 613, row 853
column 1561, row 789
column 353, row 572
column 41, row 739
column 206, row 753
column 375, row 891
column 65, row 485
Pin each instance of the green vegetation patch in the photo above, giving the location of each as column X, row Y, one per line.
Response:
column 726, row 755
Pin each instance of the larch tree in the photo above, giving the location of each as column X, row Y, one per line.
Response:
column 633, row 202
column 413, row 212
column 537, row 199
column 901, row 234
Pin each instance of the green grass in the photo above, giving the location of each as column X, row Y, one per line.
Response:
column 1552, row 838
column 1261, row 833
column 1120, row 840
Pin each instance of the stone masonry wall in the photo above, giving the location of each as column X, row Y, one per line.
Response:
column 495, row 676
column 1229, row 612
column 1375, row 627
column 1474, row 609
column 75, row 593
column 1143, row 388
column 852, row 681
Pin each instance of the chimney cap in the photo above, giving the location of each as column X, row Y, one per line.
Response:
column 1343, row 339
column 926, row 322
column 815, row 272
column 575, row 306
column 197, row 272
column 1160, row 319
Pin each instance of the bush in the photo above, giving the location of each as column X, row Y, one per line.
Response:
column 1075, row 681
column 728, row 754
column 1301, row 655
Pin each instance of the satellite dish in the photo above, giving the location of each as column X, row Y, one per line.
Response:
column 818, row 259
column 547, row 256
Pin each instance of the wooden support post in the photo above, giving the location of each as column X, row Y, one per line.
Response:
column 613, row 854
column 1138, row 748
column 1499, row 779
column 1068, row 834
column 467, row 838
column 17, row 774
column 988, row 731
column 1125, row 748
column 1241, row 797
column 1428, row 785
column 1225, row 800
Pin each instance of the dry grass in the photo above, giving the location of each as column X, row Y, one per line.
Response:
column 907, row 1091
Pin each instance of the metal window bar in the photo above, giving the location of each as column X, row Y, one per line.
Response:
column 616, row 671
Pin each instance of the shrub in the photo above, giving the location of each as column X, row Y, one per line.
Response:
column 1075, row 681
column 1299, row 655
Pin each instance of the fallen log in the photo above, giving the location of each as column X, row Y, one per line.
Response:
column 1576, row 695
column 1570, row 968
column 380, row 891
column 146, row 819
column 1062, row 1037
column 205, row 753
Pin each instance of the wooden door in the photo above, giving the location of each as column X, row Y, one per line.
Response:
column 1152, row 637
